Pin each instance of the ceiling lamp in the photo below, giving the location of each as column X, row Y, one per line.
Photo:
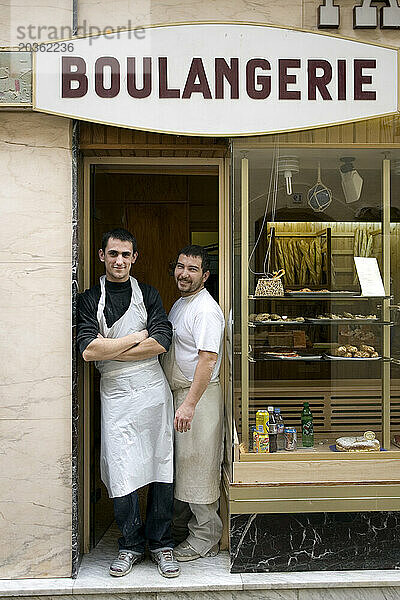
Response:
column 352, row 182
column 319, row 196
column 288, row 165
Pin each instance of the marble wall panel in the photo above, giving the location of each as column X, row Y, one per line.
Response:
column 102, row 13
column 35, row 346
column 315, row 542
column 20, row 20
column 40, row 329
column 35, row 301
column 35, row 191
column 116, row 596
column 230, row 595
column 383, row 593
column 35, row 499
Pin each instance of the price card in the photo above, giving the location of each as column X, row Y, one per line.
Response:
column 369, row 276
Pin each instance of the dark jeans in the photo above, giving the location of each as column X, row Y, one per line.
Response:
column 157, row 528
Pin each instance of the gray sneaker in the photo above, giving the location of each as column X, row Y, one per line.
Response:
column 122, row 565
column 167, row 565
column 185, row 552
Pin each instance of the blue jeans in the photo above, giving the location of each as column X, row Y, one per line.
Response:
column 157, row 528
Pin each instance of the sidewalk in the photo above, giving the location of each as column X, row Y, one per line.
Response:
column 206, row 579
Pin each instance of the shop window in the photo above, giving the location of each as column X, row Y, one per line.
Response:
column 325, row 347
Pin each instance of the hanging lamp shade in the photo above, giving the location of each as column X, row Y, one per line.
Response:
column 319, row 196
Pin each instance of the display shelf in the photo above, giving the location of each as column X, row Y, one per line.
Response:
column 321, row 451
column 341, row 360
column 286, row 359
column 312, row 322
column 325, row 297
column 285, row 322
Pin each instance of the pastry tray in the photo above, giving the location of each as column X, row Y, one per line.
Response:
column 317, row 294
column 311, row 357
column 343, row 321
column 333, row 448
column 353, row 358
column 284, row 322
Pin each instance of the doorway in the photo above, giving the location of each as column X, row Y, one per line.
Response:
column 166, row 205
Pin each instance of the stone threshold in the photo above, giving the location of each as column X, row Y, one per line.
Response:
column 203, row 575
column 204, row 579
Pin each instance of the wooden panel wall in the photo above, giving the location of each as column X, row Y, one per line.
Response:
column 105, row 140
column 350, row 407
column 383, row 132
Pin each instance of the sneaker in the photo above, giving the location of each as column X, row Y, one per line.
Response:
column 167, row 565
column 185, row 552
column 122, row 565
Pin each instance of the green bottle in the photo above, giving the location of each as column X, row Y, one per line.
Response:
column 307, row 427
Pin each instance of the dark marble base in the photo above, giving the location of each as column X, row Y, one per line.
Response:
column 315, row 542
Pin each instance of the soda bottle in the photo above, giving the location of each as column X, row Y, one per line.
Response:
column 273, row 430
column 307, row 427
column 281, row 429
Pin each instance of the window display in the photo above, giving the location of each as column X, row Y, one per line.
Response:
column 315, row 370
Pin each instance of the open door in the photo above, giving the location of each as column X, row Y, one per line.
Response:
column 165, row 211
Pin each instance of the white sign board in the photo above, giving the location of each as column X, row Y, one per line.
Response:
column 369, row 276
column 216, row 79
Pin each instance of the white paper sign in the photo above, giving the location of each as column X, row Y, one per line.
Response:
column 219, row 79
column 369, row 276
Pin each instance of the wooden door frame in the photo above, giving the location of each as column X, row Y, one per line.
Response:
column 222, row 165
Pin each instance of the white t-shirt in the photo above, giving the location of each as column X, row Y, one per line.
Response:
column 198, row 324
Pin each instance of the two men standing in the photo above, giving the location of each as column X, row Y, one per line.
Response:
column 122, row 326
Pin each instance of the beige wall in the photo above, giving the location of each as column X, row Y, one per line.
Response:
column 35, row 346
column 21, row 14
column 143, row 12
column 293, row 13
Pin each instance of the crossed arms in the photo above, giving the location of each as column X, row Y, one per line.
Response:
column 149, row 342
column 132, row 347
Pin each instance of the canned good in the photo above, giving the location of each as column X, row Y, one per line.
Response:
column 262, row 443
column 290, row 438
column 255, row 440
column 262, row 417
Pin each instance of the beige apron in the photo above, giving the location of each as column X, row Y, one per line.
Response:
column 198, row 452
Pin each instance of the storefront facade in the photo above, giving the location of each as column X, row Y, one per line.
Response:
column 290, row 510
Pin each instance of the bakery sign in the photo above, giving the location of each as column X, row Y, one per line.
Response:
column 217, row 79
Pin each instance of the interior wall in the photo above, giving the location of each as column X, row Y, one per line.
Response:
column 35, row 302
column 129, row 200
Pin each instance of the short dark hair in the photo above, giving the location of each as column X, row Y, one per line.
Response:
column 195, row 250
column 119, row 234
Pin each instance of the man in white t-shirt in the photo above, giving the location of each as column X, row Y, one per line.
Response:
column 192, row 368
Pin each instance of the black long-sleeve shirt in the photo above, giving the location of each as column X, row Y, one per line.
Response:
column 118, row 298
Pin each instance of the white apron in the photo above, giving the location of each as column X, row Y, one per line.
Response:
column 198, row 452
column 136, row 409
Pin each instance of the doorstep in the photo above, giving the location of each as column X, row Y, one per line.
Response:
column 207, row 579
column 204, row 579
